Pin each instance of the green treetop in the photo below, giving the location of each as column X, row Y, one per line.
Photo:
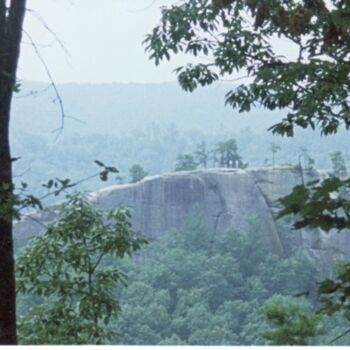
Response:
column 137, row 173
column 70, row 268
column 202, row 155
column 230, row 36
column 226, row 154
column 293, row 324
column 185, row 162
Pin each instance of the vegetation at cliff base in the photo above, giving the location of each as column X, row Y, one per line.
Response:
column 191, row 288
column 70, row 270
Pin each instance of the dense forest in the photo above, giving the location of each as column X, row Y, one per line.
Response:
column 187, row 288
column 227, row 267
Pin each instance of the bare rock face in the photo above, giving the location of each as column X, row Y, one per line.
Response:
column 225, row 197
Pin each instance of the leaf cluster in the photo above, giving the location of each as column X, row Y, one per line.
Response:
column 335, row 294
column 137, row 173
column 293, row 324
column 66, row 266
column 323, row 205
column 237, row 36
column 224, row 153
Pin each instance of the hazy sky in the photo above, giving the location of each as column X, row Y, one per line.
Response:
column 103, row 39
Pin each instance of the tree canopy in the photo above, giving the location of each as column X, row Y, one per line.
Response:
column 229, row 36
column 185, row 162
column 137, row 173
column 71, row 267
column 312, row 86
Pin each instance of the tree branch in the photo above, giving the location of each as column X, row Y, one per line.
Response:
column 98, row 262
column 52, row 82
column 339, row 336
column 48, row 28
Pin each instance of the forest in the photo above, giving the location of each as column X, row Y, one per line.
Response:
column 188, row 289
column 238, row 174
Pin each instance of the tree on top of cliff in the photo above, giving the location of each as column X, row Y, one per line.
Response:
column 226, row 154
column 137, row 173
column 201, row 154
column 185, row 162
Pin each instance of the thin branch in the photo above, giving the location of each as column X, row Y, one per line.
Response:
column 144, row 8
column 53, row 84
column 38, row 45
column 47, row 27
column 339, row 336
column 236, row 79
column 35, row 220
column 69, row 186
column 22, row 173
column 55, row 192
column 34, row 92
column 98, row 262
column 76, row 119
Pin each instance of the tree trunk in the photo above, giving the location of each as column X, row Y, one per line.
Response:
column 11, row 21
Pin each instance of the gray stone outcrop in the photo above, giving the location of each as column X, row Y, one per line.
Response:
column 226, row 197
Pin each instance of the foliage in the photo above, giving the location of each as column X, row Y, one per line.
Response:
column 293, row 324
column 335, row 294
column 137, row 173
column 66, row 267
column 339, row 165
column 185, row 162
column 191, row 287
column 325, row 206
column 313, row 85
column 226, row 154
column 202, row 155
column 20, row 200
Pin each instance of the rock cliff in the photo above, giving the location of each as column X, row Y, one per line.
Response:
column 226, row 197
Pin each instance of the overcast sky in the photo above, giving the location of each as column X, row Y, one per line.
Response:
column 103, row 39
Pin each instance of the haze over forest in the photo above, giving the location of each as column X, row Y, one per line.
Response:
column 146, row 124
column 138, row 206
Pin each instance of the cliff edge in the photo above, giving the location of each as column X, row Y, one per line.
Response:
column 225, row 197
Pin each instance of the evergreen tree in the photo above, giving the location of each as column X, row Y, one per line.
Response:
column 202, row 156
column 293, row 325
column 185, row 162
column 137, row 173
column 226, row 154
